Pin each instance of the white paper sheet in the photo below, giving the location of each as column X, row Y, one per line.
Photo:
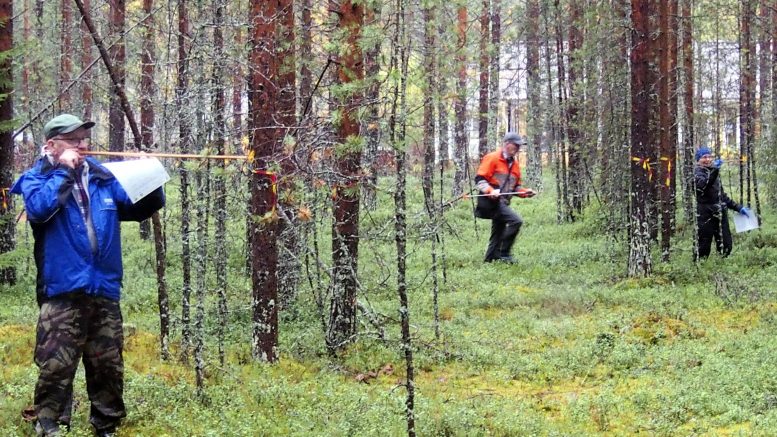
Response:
column 138, row 177
column 743, row 223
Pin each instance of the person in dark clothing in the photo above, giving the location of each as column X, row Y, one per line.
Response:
column 74, row 206
column 498, row 179
column 711, row 205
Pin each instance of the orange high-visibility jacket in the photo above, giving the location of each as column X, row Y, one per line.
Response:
column 493, row 169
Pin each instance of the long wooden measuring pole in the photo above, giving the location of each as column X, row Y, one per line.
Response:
column 163, row 155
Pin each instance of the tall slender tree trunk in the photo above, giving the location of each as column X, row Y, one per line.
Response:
column 345, row 232
column 66, row 54
column 576, row 170
column 643, row 137
column 271, row 113
column 219, row 184
column 460, row 130
column 429, row 120
column 148, row 91
column 534, row 111
column 493, row 92
column 86, row 59
column 238, row 85
column 202, row 184
column 118, row 59
column 667, row 123
column 563, row 150
column 372, row 125
column 400, row 216
column 746, row 97
column 184, row 138
column 689, row 146
column 485, row 66
column 7, row 222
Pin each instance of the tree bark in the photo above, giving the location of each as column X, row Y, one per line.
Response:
column 86, row 59
column 66, row 55
column 372, row 126
column 533, row 87
column 643, row 137
column 118, row 60
column 493, row 79
column 271, row 112
column 461, row 131
column 400, row 222
column 427, row 179
column 184, row 139
column 7, row 222
column 219, row 183
column 688, row 106
column 667, row 122
column 485, row 66
column 345, row 232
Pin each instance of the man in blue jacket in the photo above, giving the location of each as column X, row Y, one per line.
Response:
column 74, row 206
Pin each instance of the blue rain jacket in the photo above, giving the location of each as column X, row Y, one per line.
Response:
column 63, row 254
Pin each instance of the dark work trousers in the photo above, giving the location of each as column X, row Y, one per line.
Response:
column 505, row 225
column 713, row 225
column 71, row 327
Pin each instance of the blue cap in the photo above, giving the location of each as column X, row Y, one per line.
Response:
column 701, row 152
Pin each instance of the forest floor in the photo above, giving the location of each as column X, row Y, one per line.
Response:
column 561, row 343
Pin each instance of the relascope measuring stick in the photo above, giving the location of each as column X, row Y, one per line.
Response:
column 162, row 155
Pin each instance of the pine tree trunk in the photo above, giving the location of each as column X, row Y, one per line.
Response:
column 272, row 104
column 689, row 123
column 485, row 66
column 461, row 132
column 118, row 59
column 7, row 222
column 66, row 54
column 86, row 59
column 238, row 84
column 201, row 268
column 400, row 219
column 345, row 229
column 533, row 87
column 667, row 123
column 147, row 92
column 563, row 162
column 493, row 79
column 576, row 175
column 372, row 127
column 184, row 134
column 746, row 88
column 427, row 179
column 643, row 136
column 219, row 184
column 147, row 122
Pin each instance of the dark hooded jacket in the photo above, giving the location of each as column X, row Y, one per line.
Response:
column 710, row 197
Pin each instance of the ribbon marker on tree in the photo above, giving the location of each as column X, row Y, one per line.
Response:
column 273, row 185
column 645, row 164
column 668, row 161
column 5, row 200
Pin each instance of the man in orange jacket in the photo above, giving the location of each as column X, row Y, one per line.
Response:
column 499, row 178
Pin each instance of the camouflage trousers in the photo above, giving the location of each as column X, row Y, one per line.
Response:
column 70, row 328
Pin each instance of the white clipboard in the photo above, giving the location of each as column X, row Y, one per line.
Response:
column 138, row 177
column 743, row 223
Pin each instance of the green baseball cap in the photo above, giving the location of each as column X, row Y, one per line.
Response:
column 64, row 124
